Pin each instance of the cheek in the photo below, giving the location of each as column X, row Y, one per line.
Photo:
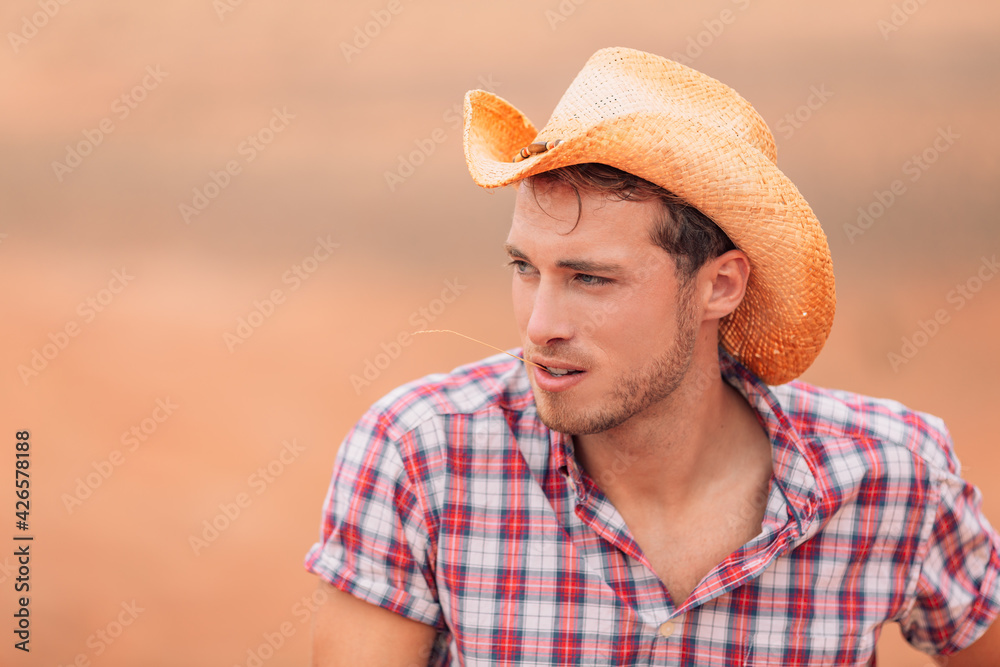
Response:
column 640, row 325
column 522, row 297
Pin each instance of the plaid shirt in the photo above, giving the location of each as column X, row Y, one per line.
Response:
column 453, row 505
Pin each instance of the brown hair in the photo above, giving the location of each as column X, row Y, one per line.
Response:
column 683, row 231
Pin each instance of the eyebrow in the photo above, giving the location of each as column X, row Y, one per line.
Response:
column 578, row 265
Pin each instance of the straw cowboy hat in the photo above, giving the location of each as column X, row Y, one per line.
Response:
column 699, row 139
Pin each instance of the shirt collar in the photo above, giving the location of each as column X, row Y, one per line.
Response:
column 793, row 461
column 564, row 462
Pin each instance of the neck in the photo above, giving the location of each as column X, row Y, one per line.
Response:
column 680, row 448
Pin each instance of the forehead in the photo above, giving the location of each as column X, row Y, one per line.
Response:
column 551, row 217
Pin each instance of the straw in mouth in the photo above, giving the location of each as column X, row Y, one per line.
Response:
column 481, row 343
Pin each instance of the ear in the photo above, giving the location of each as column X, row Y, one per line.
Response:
column 723, row 282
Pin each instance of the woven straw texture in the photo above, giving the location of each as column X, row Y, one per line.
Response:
column 698, row 138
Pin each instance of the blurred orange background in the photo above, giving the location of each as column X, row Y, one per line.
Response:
column 264, row 195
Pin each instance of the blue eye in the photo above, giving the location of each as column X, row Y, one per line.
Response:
column 520, row 266
column 588, row 279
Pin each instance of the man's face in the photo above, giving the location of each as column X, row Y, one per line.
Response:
column 601, row 300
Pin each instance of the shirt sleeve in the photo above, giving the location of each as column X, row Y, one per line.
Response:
column 957, row 592
column 374, row 543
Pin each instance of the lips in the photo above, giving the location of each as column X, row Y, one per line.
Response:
column 559, row 372
column 555, row 367
column 557, row 375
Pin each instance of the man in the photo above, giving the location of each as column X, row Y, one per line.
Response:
column 635, row 492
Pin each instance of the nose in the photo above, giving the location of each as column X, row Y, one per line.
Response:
column 550, row 319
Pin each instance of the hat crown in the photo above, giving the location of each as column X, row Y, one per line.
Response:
column 618, row 81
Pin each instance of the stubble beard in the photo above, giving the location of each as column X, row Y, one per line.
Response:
column 633, row 392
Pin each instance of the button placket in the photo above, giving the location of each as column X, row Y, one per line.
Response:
column 672, row 627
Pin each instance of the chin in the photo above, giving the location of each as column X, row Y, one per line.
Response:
column 557, row 414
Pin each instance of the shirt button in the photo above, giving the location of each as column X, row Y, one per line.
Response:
column 667, row 629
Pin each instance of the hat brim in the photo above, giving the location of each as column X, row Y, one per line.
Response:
column 787, row 312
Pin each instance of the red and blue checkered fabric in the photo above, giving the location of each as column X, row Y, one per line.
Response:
column 453, row 505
